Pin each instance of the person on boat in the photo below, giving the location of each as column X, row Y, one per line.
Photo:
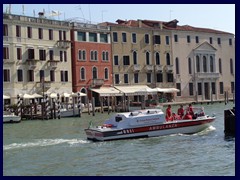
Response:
column 176, row 116
column 187, row 116
column 190, row 110
column 180, row 111
column 169, row 113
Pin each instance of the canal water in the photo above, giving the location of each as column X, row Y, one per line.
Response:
column 60, row 148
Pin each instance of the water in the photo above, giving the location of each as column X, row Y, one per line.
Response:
column 60, row 148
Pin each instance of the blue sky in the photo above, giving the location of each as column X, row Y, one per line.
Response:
column 214, row 16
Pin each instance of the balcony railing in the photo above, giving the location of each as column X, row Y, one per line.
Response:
column 43, row 86
column 52, row 64
column 149, row 68
column 159, row 68
column 63, row 44
column 32, row 63
column 206, row 75
column 136, row 67
column 97, row 82
column 169, row 68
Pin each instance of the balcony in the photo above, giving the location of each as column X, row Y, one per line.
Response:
column 169, row 68
column 136, row 67
column 32, row 63
column 52, row 64
column 8, row 61
column 207, row 75
column 159, row 68
column 97, row 82
column 149, row 68
column 43, row 86
column 63, row 44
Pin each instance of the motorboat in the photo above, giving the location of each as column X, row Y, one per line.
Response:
column 9, row 117
column 69, row 112
column 146, row 123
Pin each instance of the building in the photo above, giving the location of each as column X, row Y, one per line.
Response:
column 36, row 56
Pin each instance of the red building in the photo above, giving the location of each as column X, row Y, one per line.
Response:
column 91, row 57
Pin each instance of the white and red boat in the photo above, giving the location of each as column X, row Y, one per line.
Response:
column 145, row 123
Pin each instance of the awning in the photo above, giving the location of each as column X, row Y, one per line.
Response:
column 37, row 95
column 167, row 90
column 6, row 97
column 107, row 91
column 76, row 94
column 27, row 96
column 53, row 95
column 136, row 90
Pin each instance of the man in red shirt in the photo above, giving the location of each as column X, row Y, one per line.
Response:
column 180, row 111
column 169, row 113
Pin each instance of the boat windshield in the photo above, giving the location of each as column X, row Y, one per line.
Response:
column 118, row 119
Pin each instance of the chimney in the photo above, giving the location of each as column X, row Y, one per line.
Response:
column 41, row 14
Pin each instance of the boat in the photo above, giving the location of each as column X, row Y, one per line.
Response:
column 69, row 112
column 9, row 117
column 146, row 123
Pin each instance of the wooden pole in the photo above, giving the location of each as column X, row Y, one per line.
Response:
column 93, row 106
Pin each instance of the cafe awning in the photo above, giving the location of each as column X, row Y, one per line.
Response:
column 107, row 91
column 167, row 90
column 136, row 90
column 6, row 97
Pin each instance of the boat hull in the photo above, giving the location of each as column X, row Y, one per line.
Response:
column 11, row 119
column 175, row 127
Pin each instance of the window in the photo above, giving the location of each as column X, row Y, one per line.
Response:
column 231, row 66
column 221, row 87
column 93, row 37
column 19, row 53
column 64, row 76
column 126, row 61
column 124, row 37
column 106, row 73
column 42, row 75
column 190, row 89
column 175, row 38
column 61, row 55
column 60, row 35
column 149, row 77
column 157, row 39
column 20, row 75
column 18, row 31
column 81, row 36
column 167, row 40
column 82, row 55
column 159, row 77
column 52, row 75
column 6, row 75
column 135, row 61
column 5, row 53
column 168, row 59
column 29, row 32
column 213, row 88
column 30, row 75
column 230, row 42
column 135, row 77
column 42, row 54
column 82, row 73
column 178, row 86
column 94, row 73
column 189, row 66
column 210, row 40
column 169, row 77
column 198, row 63
column 105, row 56
column 125, row 78
column 147, row 58
column 117, row 80
column 115, row 60
column 197, row 39
column 134, row 38
column 146, row 38
column 157, row 58
column 220, row 65
column 103, row 38
column 64, row 35
column 211, row 64
column 219, row 40
column 199, row 88
column 177, row 65
column 50, row 34
column 40, row 33
column 115, row 37
column 65, row 56
column 5, row 30
column 31, row 54
column 232, row 87
column 94, row 56
column 204, row 64
column 188, row 39
column 51, row 54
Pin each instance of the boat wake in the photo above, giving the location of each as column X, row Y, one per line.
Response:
column 44, row 142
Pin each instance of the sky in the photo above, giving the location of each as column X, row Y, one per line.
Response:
column 213, row 16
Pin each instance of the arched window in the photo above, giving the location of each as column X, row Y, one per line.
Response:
column 84, row 55
column 82, row 73
column 103, row 56
column 198, row 63
column 177, row 65
column 135, row 57
column 95, row 55
column 231, row 66
column 157, row 58
column 106, row 55
column 94, row 73
column 168, row 59
column 189, row 66
column 220, row 65
column 92, row 55
column 147, row 58
column 106, row 73
column 211, row 64
column 204, row 64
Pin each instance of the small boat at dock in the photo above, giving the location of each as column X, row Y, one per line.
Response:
column 9, row 117
column 146, row 123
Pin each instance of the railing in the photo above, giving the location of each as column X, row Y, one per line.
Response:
column 63, row 44
column 203, row 75
column 52, row 64
column 169, row 68
column 159, row 68
column 149, row 67
column 136, row 67
column 97, row 82
column 32, row 63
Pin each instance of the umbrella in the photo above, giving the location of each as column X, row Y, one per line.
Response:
column 37, row 95
column 53, row 95
column 6, row 97
column 28, row 96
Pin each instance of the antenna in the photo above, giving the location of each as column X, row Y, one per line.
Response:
column 102, row 14
column 79, row 7
column 23, row 9
column 89, row 12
